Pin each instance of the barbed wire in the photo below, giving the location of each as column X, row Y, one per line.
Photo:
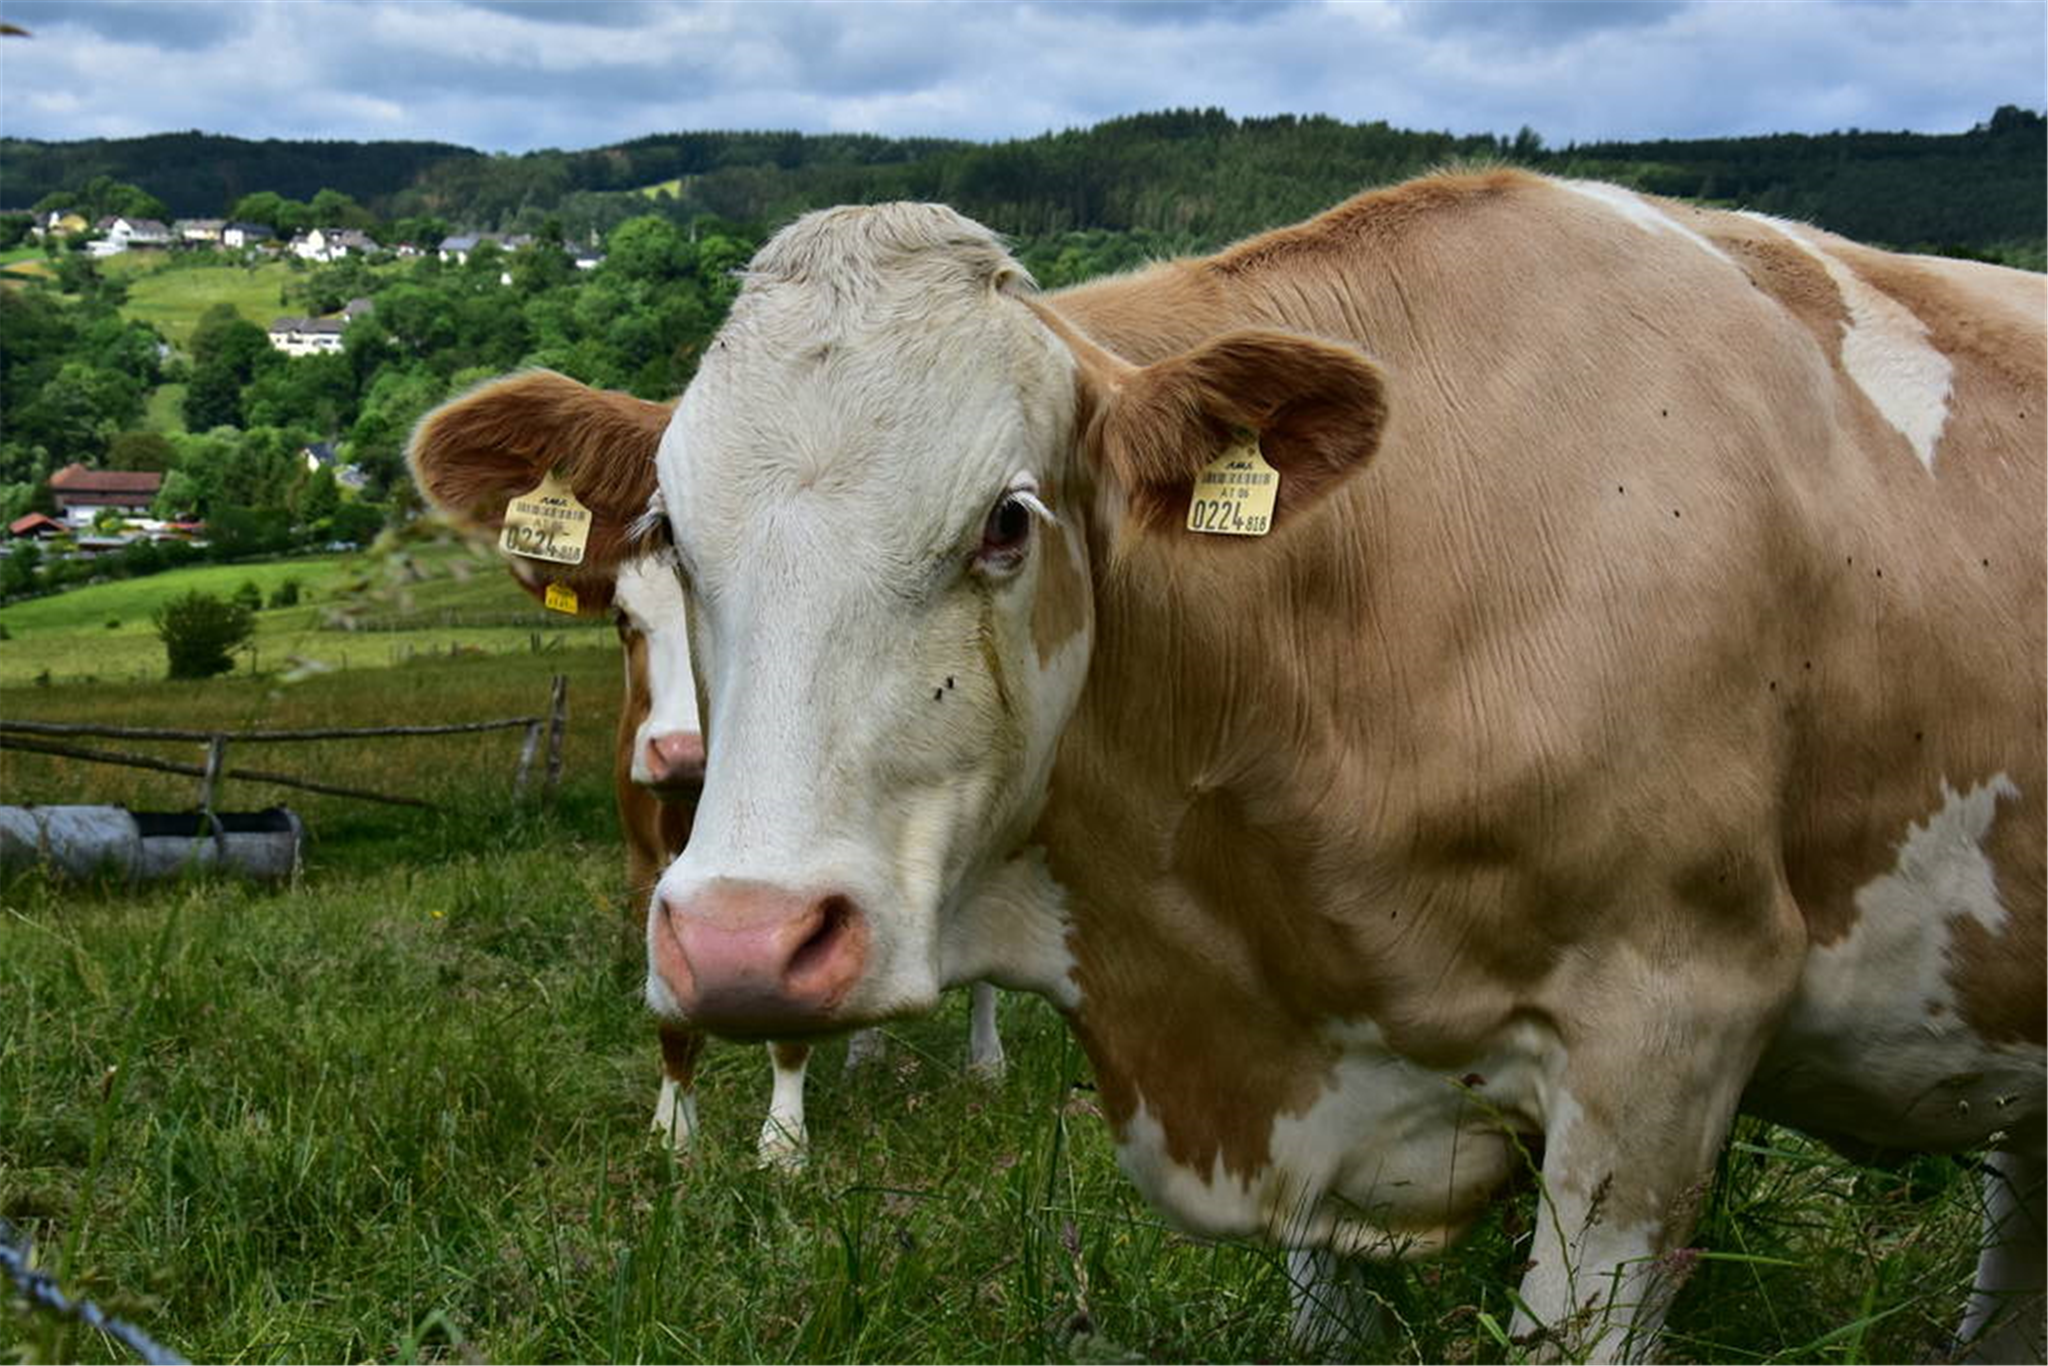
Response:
column 39, row 1290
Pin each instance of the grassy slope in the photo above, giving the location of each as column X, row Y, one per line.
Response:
column 68, row 633
column 174, row 299
column 399, row 1113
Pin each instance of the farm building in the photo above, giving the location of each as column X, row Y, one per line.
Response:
column 81, row 492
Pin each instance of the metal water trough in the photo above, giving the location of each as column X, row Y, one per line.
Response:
column 96, row 841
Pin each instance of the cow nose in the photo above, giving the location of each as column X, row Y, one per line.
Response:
column 749, row 958
column 676, row 759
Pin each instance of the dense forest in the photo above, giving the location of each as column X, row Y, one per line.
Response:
column 1196, row 178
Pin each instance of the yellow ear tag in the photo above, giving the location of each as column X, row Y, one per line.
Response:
column 560, row 598
column 546, row 523
column 1234, row 493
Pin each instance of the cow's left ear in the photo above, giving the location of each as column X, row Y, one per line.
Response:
column 1318, row 408
column 473, row 455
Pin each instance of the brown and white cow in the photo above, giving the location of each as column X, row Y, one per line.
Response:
column 657, row 775
column 1634, row 713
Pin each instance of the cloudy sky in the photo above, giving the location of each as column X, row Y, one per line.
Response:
column 513, row 75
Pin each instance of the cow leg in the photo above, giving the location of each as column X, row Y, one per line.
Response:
column 1631, row 1137
column 675, row 1109
column 984, row 1044
column 783, row 1137
column 863, row 1048
column 1333, row 1308
column 2004, row 1318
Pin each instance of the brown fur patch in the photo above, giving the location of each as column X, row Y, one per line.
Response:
column 1998, row 977
column 1062, row 608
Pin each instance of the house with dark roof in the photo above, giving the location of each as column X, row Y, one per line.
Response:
column 81, row 493
column 235, row 236
column 307, row 336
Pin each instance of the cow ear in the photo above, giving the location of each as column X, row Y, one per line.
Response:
column 1318, row 409
column 473, row 455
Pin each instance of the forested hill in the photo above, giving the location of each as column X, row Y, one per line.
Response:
column 199, row 175
column 1192, row 178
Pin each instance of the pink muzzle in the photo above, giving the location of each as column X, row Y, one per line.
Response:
column 750, row 958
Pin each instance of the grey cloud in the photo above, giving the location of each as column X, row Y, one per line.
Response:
column 612, row 14
column 178, row 27
column 1155, row 13
column 1536, row 21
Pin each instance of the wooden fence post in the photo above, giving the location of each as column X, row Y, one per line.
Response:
column 526, row 752
column 558, row 723
column 216, row 752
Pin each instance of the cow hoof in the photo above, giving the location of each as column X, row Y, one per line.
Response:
column 988, row 1069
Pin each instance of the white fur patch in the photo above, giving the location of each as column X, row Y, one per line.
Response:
column 783, row 1137
column 1875, row 1045
column 1885, row 351
column 647, row 592
column 675, row 1115
column 1387, row 1162
column 1640, row 212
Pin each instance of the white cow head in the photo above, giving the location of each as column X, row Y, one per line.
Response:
column 886, row 494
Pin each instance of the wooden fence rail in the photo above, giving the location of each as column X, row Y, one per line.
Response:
column 19, row 735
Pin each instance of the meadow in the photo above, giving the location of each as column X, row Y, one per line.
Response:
column 174, row 299
column 455, row 601
column 398, row 1110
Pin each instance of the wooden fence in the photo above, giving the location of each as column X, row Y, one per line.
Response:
column 23, row 736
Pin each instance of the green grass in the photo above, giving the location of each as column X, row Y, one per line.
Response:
column 398, row 1112
column 102, row 632
column 174, row 299
column 166, row 409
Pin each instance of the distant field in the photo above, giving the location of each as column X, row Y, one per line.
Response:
column 166, row 410
column 174, row 299
column 674, row 187
column 103, row 632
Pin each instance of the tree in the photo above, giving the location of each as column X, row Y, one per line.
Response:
column 200, row 632
column 18, row 570
column 148, row 451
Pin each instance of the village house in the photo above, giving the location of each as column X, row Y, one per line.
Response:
column 458, row 248
column 35, row 526
column 82, row 493
column 316, row 336
column 199, row 232
column 307, row 336
column 332, row 244
column 322, row 454
column 236, row 236
column 60, row 223
column 118, row 234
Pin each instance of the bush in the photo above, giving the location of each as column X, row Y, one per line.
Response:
column 200, row 632
column 249, row 595
column 285, row 594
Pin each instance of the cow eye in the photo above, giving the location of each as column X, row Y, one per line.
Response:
column 1006, row 534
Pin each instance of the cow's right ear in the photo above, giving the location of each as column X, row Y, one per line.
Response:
column 473, row 455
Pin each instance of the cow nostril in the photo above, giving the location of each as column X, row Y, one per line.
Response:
column 834, row 923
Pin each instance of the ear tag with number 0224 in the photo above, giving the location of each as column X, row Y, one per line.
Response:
column 546, row 523
column 560, row 598
column 1234, row 493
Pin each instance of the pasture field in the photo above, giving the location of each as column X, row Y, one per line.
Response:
column 174, row 299
column 102, row 632
column 398, row 1112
